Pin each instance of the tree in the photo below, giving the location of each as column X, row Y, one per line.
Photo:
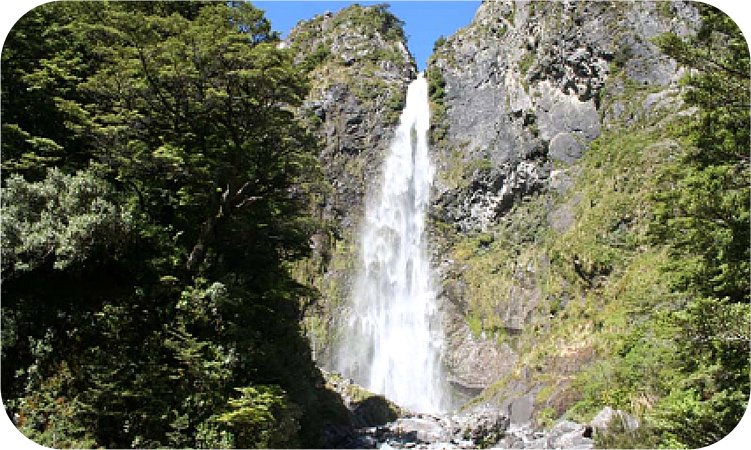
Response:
column 145, row 262
column 43, row 61
column 705, row 218
column 60, row 221
column 198, row 112
column 712, row 197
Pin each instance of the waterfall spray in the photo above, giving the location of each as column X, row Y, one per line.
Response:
column 392, row 342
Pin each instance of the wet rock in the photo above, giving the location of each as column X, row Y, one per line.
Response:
column 484, row 426
column 563, row 435
column 569, row 435
column 479, row 427
column 425, row 429
column 367, row 409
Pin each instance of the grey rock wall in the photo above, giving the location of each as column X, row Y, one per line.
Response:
column 359, row 70
column 359, row 81
column 525, row 89
column 523, row 86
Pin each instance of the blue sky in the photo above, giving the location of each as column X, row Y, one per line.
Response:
column 424, row 21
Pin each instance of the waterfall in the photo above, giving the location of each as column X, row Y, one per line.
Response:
column 392, row 340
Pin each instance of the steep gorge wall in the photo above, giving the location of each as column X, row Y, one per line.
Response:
column 359, row 69
column 519, row 97
column 522, row 89
column 521, row 206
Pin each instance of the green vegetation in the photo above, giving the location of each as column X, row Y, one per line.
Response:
column 641, row 303
column 359, row 72
column 348, row 52
column 439, row 43
column 374, row 18
column 155, row 193
column 156, row 265
column 706, row 222
column 438, row 118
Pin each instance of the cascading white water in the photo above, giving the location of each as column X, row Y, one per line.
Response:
column 392, row 340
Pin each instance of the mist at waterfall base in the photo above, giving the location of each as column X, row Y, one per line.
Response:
column 392, row 340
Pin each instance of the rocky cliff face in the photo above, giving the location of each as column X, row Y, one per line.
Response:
column 359, row 69
column 518, row 97
column 522, row 89
column 525, row 226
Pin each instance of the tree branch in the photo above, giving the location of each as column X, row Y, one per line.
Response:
column 208, row 230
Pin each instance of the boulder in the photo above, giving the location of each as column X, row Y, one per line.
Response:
column 562, row 218
column 421, row 429
column 482, row 425
column 520, row 410
column 569, row 115
column 569, row 435
column 566, row 148
column 604, row 420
